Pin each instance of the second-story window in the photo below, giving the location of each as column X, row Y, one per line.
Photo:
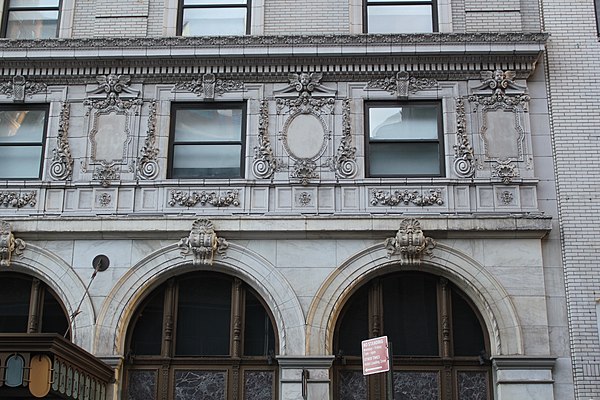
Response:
column 31, row 19
column 213, row 17
column 207, row 140
column 404, row 139
column 22, row 132
column 400, row 16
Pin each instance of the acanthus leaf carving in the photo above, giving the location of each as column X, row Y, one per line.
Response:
column 401, row 84
column 62, row 160
column 410, row 243
column 265, row 164
column 464, row 158
column 202, row 243
column 9, row 245
column 381, row 197
column 344, row 162
column 506, row 171
column 499, row 81
column 147, row 167
column 19, row 87
column 304, row 170
column 18, row 200
column 105, row 173
column 113, row 91
column 208, row 86
column 226, row 199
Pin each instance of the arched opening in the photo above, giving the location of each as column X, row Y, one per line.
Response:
column 28, row 305
column 440, row 349
column 201, row 335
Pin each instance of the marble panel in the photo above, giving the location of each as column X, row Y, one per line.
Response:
column 350, row 199
column 148, row 199
column 485, row 197
column 305, row 254
column 352, row 385
column 259, row 199
column 206, row 385
column 472, row 385
column 54, row 200
column 461, row 198
column 258, row 385
column 507, row 252
column 283, row 198
column 85, row 199
column 416, row 385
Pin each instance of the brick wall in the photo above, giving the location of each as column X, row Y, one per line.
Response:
column 310, row 16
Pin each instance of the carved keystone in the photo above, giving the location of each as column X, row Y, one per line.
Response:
column 202, row 243
column 410, row 243
column 8, row 244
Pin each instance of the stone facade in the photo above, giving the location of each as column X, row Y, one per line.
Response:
column 306, row 224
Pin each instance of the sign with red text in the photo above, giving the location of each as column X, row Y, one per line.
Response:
column 375, row 355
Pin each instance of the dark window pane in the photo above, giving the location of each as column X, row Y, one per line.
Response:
column 389, row 159
column 410, row 315
column 207, row 161
column 214, row 21
column 259, row 336
column 204, row 316
column 20, row 162
column 354, row 324
column 466, row 330
column 208, row 125
column 22, row 126
column 399, row 19
column 14, row 305
column 408, row 122
column 147, row 334
column 54, row 319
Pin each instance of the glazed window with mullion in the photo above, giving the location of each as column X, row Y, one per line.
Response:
column 400, row 16
column 31, row 19
column 213, row 17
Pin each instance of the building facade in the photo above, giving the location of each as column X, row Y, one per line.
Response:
column 221, row 200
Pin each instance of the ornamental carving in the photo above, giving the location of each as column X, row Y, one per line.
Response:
column 18, row 200
column 9, row 245
column 20, row 87
column 344, row 161
column 113, row 91
column 226, row 199
column 383, row 198
column 208, row 86
column 410, row 243
column 304, row 171
column 147, row 167
column 402, row 83
column 464, row 158
column 265, row 164
column 62, row 160
column 304, row 199
column 104, row 199
column 202, row 243
column 506, row 197
column 505, row 171
column 105, row 173
column 499, row 81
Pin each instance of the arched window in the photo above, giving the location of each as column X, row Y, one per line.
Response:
column 27, row 305
column 202, row 335
column 440, row 350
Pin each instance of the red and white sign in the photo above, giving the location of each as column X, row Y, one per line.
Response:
column 375, row 355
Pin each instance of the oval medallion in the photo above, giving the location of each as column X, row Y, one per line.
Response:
column 305, row 136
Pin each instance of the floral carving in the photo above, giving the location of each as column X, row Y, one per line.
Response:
column 18, row 200
column 401, row 84
column 229, row 198
column 62, row 160
column 265, row 164
column 148, row 165
column 406, row 197
column 8, row 244
column 304, row 170
column 306, row 104
column 104, row 199
column 304, row 199
column 344, row 162
column 464, row 159
column 506, row 197
column 410, row 243
column 19, row 87
column 506, row 171
column 202, row 243
column 105, row 173
column 209, row 86
column 113, row 91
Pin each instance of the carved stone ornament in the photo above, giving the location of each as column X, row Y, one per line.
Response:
column 304, row 199
column 265, row 164
column 105, row 173
column 113, row 91
column 499, row 81
column 410, row 243
column 62, row 161
column 147, row 167
column 209, row 85
column 464, row 158
column 104, row 199
column 9, row 246
column 344, row 161
column 18, row 200
column 506, row 197
column 20, row 87
column 202, row 243
column 380, row 197
column 505, row 171
column 402, row 83
column 304, row 171
column 226, row 199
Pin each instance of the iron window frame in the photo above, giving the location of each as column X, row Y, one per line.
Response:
column 8, row 9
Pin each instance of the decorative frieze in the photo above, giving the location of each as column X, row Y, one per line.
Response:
column 9, row 245
column 202, row 243
column 464, row 158
column 410, row 243
column 225, row 199
column 19, row 88
column 62, row 160
column 344, row 162
column 402, row 83
column 17, row 199
column 209, row 85
column 147, row 167
column 390, row 199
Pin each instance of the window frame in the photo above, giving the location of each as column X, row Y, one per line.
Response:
column 8, row 9
column 400, row 3
column 41, row 144
column 182, row 7
column 232, row 105
column 368, row 105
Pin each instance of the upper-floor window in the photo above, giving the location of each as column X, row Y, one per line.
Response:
column 207, row 140
column 400, row 16
column 213, row 17
column 404, row 139
column 22, row 132
column 31, row 19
